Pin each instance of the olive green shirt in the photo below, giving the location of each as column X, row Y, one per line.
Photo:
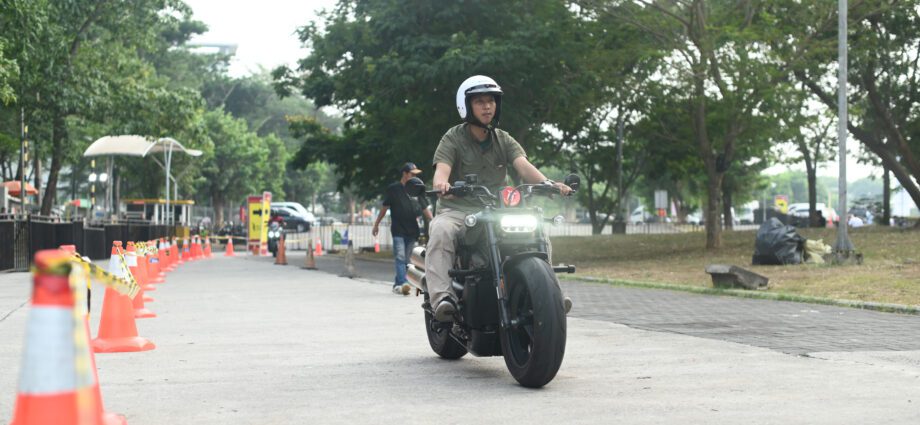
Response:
column 465, row 155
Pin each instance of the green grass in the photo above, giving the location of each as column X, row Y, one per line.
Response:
column 890, row 273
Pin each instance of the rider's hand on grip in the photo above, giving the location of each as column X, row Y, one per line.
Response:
column 442, row 187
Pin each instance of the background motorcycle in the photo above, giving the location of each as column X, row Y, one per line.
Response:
column 509, row 300
column 274, row 235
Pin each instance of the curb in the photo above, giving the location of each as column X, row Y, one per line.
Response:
column 864, row 305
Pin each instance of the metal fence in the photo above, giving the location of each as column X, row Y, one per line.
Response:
column 14, row 245
column 362, row 234
column 22, row 236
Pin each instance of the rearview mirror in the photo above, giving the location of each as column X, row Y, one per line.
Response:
column 415, row 187
column 573, row 181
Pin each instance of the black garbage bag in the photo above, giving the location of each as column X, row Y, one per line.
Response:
column 778, row 244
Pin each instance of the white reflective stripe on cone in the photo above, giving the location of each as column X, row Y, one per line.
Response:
column 131, row 259
column 49, row 364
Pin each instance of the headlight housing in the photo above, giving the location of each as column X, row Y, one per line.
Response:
column 518, row 223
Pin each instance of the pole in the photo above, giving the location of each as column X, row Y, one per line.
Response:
column 620, row 124
column 844, row 247
column 92, row 190
column 24, row 131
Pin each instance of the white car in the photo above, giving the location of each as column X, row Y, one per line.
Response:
column 801, row 210
column 639, row 215
column 297, row 209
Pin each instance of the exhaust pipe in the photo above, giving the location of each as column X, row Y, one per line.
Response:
column 418, row 258
column 416, row 277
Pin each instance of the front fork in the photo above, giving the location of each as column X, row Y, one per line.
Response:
column 504, row 310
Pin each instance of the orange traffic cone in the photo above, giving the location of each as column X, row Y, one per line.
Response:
column 161, row 258
column 319, row 248
column 154, row 275
column 229, row 251
column 309, row 262
column 117, row 329
column 181, row 256
column 207, row 247
column 140, row 311
column 57, row 381
column 281, row 258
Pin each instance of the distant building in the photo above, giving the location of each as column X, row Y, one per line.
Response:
column 902, row 205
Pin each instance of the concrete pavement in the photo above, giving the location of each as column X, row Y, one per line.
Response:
column 241, row 341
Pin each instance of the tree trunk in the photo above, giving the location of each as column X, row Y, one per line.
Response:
column 218, row 204
column 714, row 194
column 58, row 135
column 728, row 218
column 713, row 176
column 812, row 175
column 886, row 199
column 36, row 169
column 73, row 182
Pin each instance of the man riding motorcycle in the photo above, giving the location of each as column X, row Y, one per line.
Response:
column 478, row 147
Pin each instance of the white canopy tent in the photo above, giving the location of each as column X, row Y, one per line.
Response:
column 140, row 146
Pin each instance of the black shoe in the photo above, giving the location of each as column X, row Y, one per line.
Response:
column 445, row 310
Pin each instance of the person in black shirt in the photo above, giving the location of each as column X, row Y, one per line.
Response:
column 404, row 213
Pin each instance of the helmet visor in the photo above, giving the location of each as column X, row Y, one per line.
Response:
column 484, row 88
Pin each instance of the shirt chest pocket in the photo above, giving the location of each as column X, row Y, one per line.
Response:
column 489, row 167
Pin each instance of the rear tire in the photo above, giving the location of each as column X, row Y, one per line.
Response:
column 441, row 342
column 534, row 349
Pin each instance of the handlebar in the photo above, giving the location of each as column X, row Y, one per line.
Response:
column 464, row 190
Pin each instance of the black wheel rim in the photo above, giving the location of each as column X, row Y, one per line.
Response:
column 520, row 335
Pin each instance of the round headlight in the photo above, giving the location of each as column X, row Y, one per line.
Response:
column 470, row 220
column 558, row 220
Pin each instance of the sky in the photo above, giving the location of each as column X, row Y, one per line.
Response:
column 264, row 32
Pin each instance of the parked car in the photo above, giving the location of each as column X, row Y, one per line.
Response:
column 639, row 215
column 292, row 220
column 695, row 218
column 328, row 221
column 800, row 210
column 296, row 208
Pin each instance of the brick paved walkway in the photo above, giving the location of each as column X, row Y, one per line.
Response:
column 789, row 327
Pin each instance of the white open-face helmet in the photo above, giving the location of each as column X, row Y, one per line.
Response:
column 478, row 84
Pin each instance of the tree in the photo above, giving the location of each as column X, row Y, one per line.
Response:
column 252, row 98
column 393, row 68
column 8, row 73
column 237, row 165
column 883, row 71
column 65, row 55
column 718, row 66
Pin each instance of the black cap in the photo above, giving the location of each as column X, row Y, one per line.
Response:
column 410, row 168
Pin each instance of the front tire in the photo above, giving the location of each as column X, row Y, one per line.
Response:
column 441, row 342
column 534, row 345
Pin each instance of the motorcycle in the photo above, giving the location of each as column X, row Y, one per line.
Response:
column 509, row 300
column 274, row 235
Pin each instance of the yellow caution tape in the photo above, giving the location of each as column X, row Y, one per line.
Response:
column 125, row 286
column 243, row 238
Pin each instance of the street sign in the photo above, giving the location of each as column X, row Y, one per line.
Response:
column 661, row 199
column 781, row 203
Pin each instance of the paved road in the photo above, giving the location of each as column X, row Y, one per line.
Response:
column 240, row 341
column 789, row 327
